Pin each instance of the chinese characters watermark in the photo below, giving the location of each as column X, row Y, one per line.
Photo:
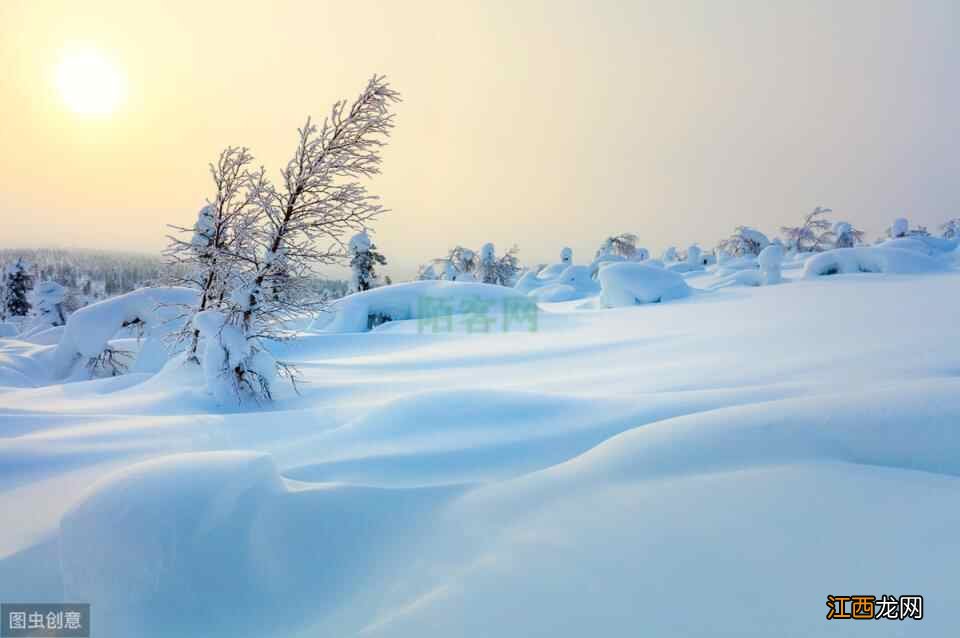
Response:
column 476, row 314
column 863, row 607
column 26, row 620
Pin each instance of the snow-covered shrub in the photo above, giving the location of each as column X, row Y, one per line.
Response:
column 566, row 255
column 630, row 283
column 427, row 272
column 641, row 254
column 871, row 259
column 623, row 245
column 770, row 260
column 744, row 242
column 951, row 229
column 364, row 259
column 845, row 235
column 813, row 235
column 694, row 256
column 669, row 255
column 233, row 365
column 899, row 228
column 49, row 297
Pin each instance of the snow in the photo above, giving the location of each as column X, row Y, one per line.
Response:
column 90, row 328
column 417, row 300
column 875, row 259
column 628, row 283
column 589, row 478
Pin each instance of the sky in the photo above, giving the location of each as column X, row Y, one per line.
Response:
column 540, row 124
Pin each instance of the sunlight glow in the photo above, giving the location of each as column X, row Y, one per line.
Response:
column 89, row 83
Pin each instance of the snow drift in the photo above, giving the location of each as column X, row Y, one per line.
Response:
column 362, row 311
column 630, row 283
column 873, row 259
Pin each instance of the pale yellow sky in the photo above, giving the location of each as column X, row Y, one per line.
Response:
column 536, row 123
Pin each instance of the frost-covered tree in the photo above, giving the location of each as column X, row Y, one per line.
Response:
column 744, row 242
column 295, row 225
column 49, row 298
column 812, row 235
column 508, row 267
column 951, row 228
column 17, row 283
column 364, row 259
column 220, row 243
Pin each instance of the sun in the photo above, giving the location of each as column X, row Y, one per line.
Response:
column 89, row 83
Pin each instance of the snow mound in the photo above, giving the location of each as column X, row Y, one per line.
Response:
column 574, row 282
column 362, row 311
column 222, row 539
column 921, row 244
column 88, row 330
column 629, row 283
column 872, row 259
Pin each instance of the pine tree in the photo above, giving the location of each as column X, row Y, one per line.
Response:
column 17, row 285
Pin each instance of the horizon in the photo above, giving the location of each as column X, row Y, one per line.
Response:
column 534, row 126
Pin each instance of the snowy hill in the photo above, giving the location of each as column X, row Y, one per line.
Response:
column 714, row 465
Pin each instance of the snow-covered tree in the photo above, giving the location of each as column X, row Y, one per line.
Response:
column 694, row 256
column 566, row 255
column 487, row 265
column 294, row 226
column 811, row 236
column 899, row 228
column 427, row 272
column 17, row 283
column 951, row 228
column 463, row 260
column 669, row 255
column 220, row 244
column 508, row 267
column 363, row 261
column 622, row 245
column 845, row 235
column 745, row 241
column 49, row 298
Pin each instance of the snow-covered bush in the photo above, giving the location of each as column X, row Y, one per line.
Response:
column 566, row 255
column 630, row 283
column 623, row 245
column 770, row 260
column 899, row 228
column 845, row 235
column 744, row 242
column 813, row 235
column 49, row 297
column 669, row 255
column 364, row 259
column 951, row 229
column 871, row 259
